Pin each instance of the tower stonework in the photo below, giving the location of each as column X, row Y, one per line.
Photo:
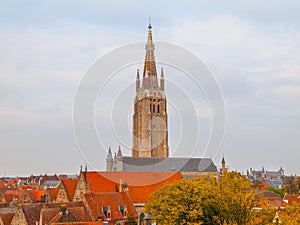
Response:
column 150, row 119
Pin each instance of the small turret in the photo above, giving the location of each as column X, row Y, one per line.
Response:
column 162, row 80
column 138, row 81
column 109, row 161
column 119, row 155
column 118, row 160
column 224, row 170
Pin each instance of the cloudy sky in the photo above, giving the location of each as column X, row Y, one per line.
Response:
column 46, row 47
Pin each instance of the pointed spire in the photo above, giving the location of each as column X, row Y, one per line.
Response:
column 138, row 74
column 119, row 155
column 223, row 160
column 149, row 26
column 150, row 64
column 109, row 155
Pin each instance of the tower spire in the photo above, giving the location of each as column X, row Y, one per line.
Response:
column 150, row 64
column 149, row 26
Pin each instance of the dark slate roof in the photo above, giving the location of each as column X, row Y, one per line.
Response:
column 168, row 164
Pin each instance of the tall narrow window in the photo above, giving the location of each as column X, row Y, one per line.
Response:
column 158, row 108
column 153, row 109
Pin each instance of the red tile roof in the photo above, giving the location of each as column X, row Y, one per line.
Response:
column 39, row 194
column 140, row 184
column 114, row 200
column 291, row 198
column 53, row 193
column 78, row 223
column 12, row 195
column 7, row 218
column 32, row 213
column 70, row 185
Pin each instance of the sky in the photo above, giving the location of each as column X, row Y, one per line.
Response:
column 47, row 47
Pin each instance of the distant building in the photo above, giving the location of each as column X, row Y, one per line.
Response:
column 271, row 178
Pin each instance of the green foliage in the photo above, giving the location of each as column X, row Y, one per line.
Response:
column 291, row 214
column 130, row 220
column 265, row 215
column 228, row 200
column 277, row 191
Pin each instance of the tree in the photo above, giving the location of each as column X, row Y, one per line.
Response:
column 131, row 220
column 264, row 214
column 228, row 200
column 291, row 214
column 237, row 199
column 180, row 202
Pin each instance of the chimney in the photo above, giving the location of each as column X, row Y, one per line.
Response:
column 121, row 186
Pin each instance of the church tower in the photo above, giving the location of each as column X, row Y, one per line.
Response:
column 150, row 119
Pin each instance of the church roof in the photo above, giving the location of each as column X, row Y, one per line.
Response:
column 168, row 164
column 140, row 184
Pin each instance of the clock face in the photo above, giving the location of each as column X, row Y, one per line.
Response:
column 145, row 108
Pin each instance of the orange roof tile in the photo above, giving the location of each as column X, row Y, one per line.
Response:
column 53, row 193
column 78, row 223
column 32, row 212
column 140, row 184
column 291, row 198
column 112, row 199
column 39, row 194
column 7, row 218
column 70, row 185
column 50, row 213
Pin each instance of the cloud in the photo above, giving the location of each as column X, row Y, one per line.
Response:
column 253, row 55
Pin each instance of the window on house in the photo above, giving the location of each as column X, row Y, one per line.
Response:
column 123, row 210
column 106, row 212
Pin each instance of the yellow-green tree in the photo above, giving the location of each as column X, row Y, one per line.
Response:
column 180, row 202
column 236, row 199
column 204, row 201
column 291, row 214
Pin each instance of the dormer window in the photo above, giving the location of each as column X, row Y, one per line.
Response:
column 106, row 212
column 123, row 210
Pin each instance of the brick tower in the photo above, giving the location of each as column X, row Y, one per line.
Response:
column 150, row 119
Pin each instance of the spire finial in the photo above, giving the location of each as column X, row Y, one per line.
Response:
column 149, row 22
